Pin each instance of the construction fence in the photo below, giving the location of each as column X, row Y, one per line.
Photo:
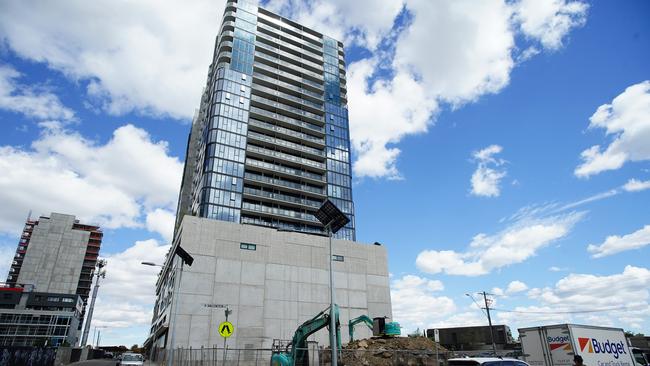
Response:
column 317, row 356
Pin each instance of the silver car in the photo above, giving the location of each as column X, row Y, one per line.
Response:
column 131, row 359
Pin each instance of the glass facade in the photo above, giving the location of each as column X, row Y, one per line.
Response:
column 271, row 141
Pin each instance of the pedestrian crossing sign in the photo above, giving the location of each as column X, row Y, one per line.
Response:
column 226, row 329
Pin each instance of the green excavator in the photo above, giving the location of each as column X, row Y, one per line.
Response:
column 391, row 329
column 296, row 352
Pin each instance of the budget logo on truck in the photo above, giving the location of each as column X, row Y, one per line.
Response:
column 592, row 345
column 559, row 342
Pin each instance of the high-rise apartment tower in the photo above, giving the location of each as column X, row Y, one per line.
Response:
column 270, row 141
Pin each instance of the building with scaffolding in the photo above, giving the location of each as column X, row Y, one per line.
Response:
column 56, row 255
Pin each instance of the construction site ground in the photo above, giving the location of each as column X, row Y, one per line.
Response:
column 410, row 351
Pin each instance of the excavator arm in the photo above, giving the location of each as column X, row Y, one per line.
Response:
column 298, row 352
column 361, row 319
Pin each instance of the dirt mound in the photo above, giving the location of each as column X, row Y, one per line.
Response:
column 410, row 351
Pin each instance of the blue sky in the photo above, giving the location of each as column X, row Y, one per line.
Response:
column 472, row 124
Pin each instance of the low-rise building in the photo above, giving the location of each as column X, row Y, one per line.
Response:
column 30, row 318
column 474, row 338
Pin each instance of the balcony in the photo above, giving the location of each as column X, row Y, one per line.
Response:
column 304, row 103
column 288, row 56
column 292, row 66
column 276, row 71
column 290, row 173
column 276, row 182
column 268, row 18
column 280, row 198
column 290, row 39
column 289, row 110
column 287, row 132
column 275, row 81
column 273, row 41
column 274, row 211
column 263, row 152
column 264, row 114
column 288, row 144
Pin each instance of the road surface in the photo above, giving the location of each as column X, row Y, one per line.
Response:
column 95, row 363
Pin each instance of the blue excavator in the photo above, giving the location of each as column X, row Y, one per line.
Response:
column 296, row 352
column 378, row 326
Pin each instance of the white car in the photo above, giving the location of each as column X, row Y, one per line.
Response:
column 486, row 361
column 131, row 359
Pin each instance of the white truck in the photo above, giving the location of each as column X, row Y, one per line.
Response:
column 555, row 345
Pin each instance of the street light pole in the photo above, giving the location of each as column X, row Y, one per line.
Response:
column 333, row 343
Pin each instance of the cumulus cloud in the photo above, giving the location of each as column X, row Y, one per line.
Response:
column 111, row 184
column 152, row 57
column 616, row 244
column 627, row 298
column 30, row 100
column 413, row 297
column 635, row 185
column 147, row 56
column 485, row 253
column 377, row 120
column 161, row 221
column 549, row 21
column 488, row 174
column 125, row 302
column 515, row 287
column 627, row 119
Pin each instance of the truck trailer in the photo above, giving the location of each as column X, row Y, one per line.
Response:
column 555, row 345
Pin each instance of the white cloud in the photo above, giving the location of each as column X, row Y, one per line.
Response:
column 627, row 297
column 635, row 185
column 413, row 298
column 365, row 28
column 7, row 252
column 32, row 101
column 161, row 221
column 556, row 269
column 126, row 295
column 152, row 57
column 627, row 118
column 549, row 21
column 487, row 177
column 377, row 120
column 148, row 56
column 516, row 286
column 486, row 253
column 112, row 184
column 616, row 244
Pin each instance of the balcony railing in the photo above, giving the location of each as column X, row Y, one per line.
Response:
column 284, row 84
column 293, row 98
column 288, row 144
column 289, row 120
column 285, row 131
column 293, row 110
column 285, row 170
column 285, row 156
column 281, row 197
column 284, row 183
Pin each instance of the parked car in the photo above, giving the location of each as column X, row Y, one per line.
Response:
column 131, row 359
column 485, row 361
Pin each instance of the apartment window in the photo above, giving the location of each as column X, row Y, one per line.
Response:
column 233, row 196
column 53, row 299
column 234, row 181
column 68, row 299
column 242, row 88
column 241, row 100
column 247, row 246
column 338, row 258
column 243, row 77
column 228, row 96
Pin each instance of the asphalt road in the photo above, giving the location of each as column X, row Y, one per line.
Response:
column 95, row 363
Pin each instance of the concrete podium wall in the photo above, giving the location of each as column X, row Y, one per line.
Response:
column 275, row 288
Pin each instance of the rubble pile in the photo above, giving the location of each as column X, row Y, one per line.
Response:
column 408, row 351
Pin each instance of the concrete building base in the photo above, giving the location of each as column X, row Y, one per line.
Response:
column 272, row 281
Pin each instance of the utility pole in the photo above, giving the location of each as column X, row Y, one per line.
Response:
column 100, row 273
column 487, row 308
